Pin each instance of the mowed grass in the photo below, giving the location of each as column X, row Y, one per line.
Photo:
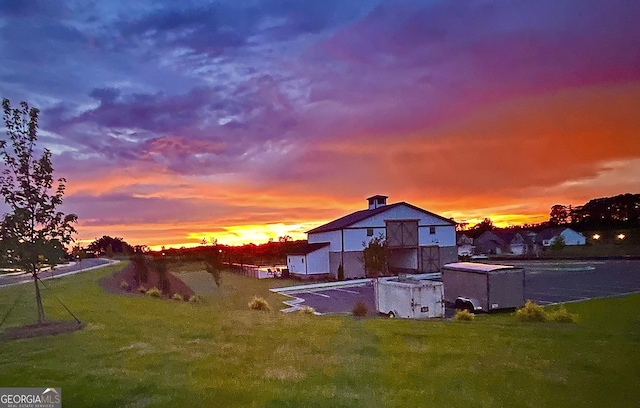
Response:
column 145, row 352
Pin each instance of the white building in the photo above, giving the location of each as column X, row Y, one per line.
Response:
column 417, row 240
column 548, row 237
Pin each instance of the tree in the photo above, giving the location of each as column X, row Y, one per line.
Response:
column 374, row 257
column 484, row 225
column 558, row 243
column 559, row 215
column 118, row 245
column 33, row 227
column 213, row 265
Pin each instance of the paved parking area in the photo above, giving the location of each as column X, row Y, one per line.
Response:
column 546, row 282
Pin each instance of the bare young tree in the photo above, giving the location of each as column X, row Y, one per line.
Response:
column 33, row 228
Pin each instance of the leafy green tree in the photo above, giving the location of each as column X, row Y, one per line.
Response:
column 33, row 227
column 374, row 257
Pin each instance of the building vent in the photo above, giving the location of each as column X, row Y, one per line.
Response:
column 377, row 201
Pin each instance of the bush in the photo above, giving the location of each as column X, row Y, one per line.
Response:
column 531, row 312
column 154, row 292
column 140, row 267
column 258, row 303
column 562, row 316
column 359, row 309
column 177, row 296
column 160, row 265
column 124, row 285
column 307, row 310
column 535, row 313
column 463, row 315
column 142, row 289
column 195, row 299
column 340, row 272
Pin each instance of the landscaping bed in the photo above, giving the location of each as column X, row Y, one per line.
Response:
column 125, row 281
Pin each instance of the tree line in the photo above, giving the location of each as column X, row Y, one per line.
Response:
column 621, row 211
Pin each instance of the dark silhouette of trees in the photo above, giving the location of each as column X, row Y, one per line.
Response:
column 621, row 211
column 117, row 245
column 33, row 229
column 559, row 215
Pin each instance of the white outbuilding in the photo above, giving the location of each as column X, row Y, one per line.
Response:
column 418, row 241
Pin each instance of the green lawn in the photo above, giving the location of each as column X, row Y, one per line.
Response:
column 146, row 352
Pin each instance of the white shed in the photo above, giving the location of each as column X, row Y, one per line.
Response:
column 311, row 260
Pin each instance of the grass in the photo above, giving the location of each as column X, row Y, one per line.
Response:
column 140, row 352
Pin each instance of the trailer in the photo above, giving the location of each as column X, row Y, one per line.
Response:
column 481, row 287
column 408, row 297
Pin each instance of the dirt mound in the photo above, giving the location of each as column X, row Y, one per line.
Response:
column 114, row 283
column 41, row 329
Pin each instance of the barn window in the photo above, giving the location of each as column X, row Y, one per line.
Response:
column 432, row 230
column 369, row 232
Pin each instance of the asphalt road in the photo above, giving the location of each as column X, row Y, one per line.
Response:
column 546, row 283
column 85, row 264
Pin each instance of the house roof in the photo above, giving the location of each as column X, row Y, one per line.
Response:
column 308, row 248
column 350, row 219
column 549, row 233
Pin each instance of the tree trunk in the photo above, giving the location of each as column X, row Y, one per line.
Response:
column 38, row 298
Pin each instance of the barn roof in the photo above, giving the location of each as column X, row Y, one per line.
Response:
column 350, row 219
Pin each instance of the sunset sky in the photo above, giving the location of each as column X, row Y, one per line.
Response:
column 175, row 121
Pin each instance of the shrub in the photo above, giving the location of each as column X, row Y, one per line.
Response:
column 177, row 296
column 195, row 299
column 531, row 312
column 307, row 310
column 160, row 265
column 463, row 315
column 124, row 285
column 562, row 316
column 154, row 292
column 142, row 289
column 258, row 303
column 140, row 267
column 359, row 309
column 340, row 272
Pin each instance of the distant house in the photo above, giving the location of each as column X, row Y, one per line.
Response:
column 489, row 243
column 514, row 242
column 548, row 236
column 417, row 241
column 465, row 244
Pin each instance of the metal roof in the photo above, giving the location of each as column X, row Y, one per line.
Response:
column 350, row 219
column 308, row 248
column 477, row 267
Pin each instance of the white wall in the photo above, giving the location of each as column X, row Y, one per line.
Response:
column 444, row 236
column 318, row 261
column 334, row 238
column 315, row 262
column 296, row 264
column 353, row 238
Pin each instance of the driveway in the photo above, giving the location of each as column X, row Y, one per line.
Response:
column 60, row 271
column 546, row 283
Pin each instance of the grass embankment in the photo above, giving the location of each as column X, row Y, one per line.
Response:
column 142, row 351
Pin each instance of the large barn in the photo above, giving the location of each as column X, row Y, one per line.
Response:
column 418, row 241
